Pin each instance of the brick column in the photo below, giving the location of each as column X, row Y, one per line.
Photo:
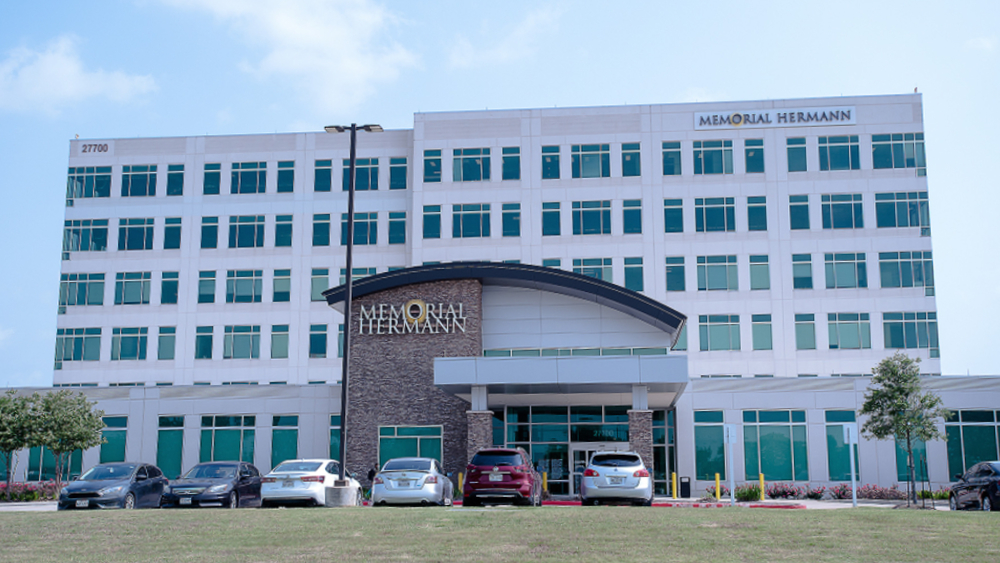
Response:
column 640, row 435
column 480, row 424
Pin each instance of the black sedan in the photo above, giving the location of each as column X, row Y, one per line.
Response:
column 229, row 484
column 978, row 488
column 115, row 485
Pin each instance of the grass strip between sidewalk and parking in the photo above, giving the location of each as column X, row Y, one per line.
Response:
column 500, row 534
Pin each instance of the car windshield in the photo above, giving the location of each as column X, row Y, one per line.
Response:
column 211, row 472
column 496, row 458
column 108, row 473
column 408, row 465
column 615, row 460
column 297, row 466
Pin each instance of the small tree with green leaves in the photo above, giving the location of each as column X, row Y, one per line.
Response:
column 16, row 430
column 65, row 422
column 896, row 407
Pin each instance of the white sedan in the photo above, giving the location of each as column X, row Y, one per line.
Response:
column 616, row 476
column 303, row 481
column 412, row 480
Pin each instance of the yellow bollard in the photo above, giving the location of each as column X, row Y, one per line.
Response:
column 718, row 493
column 545, row 481
column 673, row 483
column 761, row 486
column 461, row 482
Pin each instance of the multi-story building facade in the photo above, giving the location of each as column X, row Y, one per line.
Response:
column 794, row 235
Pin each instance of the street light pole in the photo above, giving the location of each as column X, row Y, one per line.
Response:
column 353, row 128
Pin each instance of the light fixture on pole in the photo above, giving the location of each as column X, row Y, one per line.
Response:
column 353, row 128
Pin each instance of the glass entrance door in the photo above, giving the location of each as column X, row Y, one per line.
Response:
column 582, row 452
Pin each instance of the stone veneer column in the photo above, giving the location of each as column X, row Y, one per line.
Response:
column 480, row 431
column 640, row 435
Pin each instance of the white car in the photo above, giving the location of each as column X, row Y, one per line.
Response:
column 411, row 480
column 303, row 481
column 616, row 477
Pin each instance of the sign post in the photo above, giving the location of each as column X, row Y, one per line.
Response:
column 851, row 439
column 732, row 435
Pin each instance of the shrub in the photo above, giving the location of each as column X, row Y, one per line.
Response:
column 875, row 492
column 940, row 494
column 841, row 491
column 748, row 492
column 710, row 492
column 30, row 492
column 815, row 494
column 784, row 491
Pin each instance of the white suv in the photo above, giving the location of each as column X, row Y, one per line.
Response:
column 616, row 477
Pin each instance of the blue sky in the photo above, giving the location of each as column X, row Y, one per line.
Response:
column 151, row 68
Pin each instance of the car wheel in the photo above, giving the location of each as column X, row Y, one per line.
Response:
column 129, row 503
column 234, row 500
column 952, row 503
column 986, row 504
column 586, row 502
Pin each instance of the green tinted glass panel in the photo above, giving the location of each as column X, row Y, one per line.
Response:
column 840, row 416
column 335, row 444
column 284, row 445
column 800, row 454
column 391, row 448
column 708, row 416
column 776, row 452
column 227, row 445
column 418, row 431
column 709, row 453
column 980, row 444
column 751, row 445
column 169, row 452
column 955, row 460
column 919, row 461
column 838, row 456
column 430, row 447
column 205, row 452
column 113, row 449
column 549, row 433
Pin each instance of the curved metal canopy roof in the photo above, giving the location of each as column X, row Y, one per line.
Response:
column 523, row 275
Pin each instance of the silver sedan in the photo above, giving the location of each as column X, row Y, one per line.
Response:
column 616, row 476
column 412, row 480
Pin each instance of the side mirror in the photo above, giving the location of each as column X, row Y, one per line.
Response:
column 140, row 477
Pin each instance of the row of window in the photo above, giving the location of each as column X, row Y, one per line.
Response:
column 245, row 178
column 846, row 331
column 239, row 342
column 222, row 438
column 839, row 211
column 899, row 150
column 714, row 273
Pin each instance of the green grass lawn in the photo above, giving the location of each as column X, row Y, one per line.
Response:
column 605, row 534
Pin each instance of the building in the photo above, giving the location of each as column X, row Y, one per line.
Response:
column 752, row 261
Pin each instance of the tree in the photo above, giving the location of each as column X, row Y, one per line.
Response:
column 66, row 422
column 16, row 430
column 896, row 407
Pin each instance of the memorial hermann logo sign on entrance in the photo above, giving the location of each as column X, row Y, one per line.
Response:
column 413, row 317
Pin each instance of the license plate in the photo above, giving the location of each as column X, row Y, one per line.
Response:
column 617, row 480
column 82, row 503
column 496, row 477
column 287, row 484
column 185, row 501
column 405, row 484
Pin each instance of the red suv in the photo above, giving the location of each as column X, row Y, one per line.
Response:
column 502, row 475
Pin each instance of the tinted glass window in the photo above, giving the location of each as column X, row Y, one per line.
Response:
column 141, row 472
column 497, row 458
column 153, row 471
column 407, row 465
column 615, row 460
column 108, row 472
column 291, row 466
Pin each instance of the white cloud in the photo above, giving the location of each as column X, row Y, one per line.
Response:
column 52, row 79
column 987, row 44
column 335, row 52
column 517, row 45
